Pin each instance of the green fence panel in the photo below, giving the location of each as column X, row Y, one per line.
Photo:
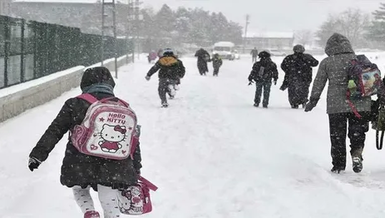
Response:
column 30, row 49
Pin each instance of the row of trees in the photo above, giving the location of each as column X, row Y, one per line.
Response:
column 363, row 30
column 192, row 26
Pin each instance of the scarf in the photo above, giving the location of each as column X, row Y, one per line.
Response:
column 99, row 88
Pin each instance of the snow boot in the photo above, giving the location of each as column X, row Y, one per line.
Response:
column 337, row 169
column 256, row 105
column 357, row 160
column 357, row 164
column 265, row 106
column 164, row 104
column 91, row 214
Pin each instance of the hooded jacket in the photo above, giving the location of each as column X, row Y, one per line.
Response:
column 169, row 68
column 267, row 73
column 298, row 69
column 333, row 70
column 77, row 168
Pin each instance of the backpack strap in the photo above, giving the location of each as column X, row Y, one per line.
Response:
column 88, row 97
column 351, row 105
column 379, row 141
column 148, row 183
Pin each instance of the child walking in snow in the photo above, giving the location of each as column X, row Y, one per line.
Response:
column 263, row 72
column 217, row 63
column 171, row 70
column 80, row 171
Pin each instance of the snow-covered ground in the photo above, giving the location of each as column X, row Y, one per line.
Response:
column 212, row 154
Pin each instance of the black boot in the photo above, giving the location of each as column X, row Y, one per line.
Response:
column 337, row 169
column 357, row 160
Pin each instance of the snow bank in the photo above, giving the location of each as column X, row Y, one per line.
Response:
column 17, row 99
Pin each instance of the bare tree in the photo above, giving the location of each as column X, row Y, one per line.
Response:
column 352, row 23
column 304, row 37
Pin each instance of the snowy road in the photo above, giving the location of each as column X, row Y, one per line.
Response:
column 212, row 154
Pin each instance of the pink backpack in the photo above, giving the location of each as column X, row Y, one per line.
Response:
column 109, row 129
column 136, row 199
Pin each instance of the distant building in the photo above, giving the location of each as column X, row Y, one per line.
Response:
column 5, row 7
column 269, row 40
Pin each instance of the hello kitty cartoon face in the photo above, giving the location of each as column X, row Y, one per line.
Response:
column 113, row 133
column 135, row 197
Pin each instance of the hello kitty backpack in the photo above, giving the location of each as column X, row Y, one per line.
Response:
column 136, row 199
column 109, row 129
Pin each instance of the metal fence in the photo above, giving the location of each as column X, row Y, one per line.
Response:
column 30, row 49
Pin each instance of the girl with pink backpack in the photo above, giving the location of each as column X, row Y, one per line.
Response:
column 116, row 166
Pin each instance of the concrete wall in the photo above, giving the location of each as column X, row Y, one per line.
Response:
column 19, row 98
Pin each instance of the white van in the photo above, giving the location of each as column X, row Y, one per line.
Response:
column 225, row 50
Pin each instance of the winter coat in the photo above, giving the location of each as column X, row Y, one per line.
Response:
column 269, row 71
column 203, row 57
column 333, row 70
column 298, row 69
column 254, row 52
column 217, row 62
column 169, row 68
column 79, row 169
column 202, row 54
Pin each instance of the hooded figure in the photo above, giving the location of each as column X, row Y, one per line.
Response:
column 341, row 117
column 298, row 75
column 171, row 70
column 80, row 171
column 203, row 57
column 263, row 72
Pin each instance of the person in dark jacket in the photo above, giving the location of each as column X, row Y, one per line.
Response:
column 203, row 57
column 171, row 70
column 263, row 72
column 254, row 54
column 342, row 120
column 298, row 75
column 217, row 63
column 80, row 171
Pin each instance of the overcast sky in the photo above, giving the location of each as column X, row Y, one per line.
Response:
column 274, row 15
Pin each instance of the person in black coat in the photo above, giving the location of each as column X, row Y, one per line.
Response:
column 217, row 63
column 263, row 72
column 80, row 171
column 171, row 70
column 203, row 57
column 254, row 54
column 298, row 75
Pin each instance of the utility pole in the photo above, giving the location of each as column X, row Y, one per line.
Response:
column 129, row 26
column 137, row 20
column 245, row 36
column 108, row 29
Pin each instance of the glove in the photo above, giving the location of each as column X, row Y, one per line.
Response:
column 250, row 82
column 275, row 82
column 311, row 104
column 283, row 88
column 148, row 78
column 33, row 163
